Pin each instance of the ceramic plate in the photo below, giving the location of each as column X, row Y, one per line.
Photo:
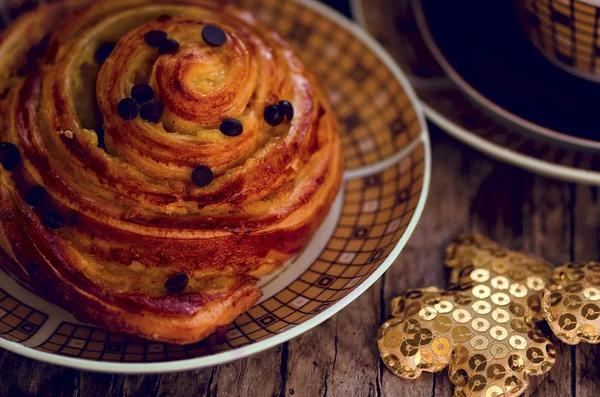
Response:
column 527, row 112
column 386, row 148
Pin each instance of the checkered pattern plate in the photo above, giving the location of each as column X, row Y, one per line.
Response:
column 394, row 24
column 386, row 148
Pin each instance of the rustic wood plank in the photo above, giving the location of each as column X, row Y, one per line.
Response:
column 257, row 374
column 587, row 248
column 338, row 357
column 469, row 192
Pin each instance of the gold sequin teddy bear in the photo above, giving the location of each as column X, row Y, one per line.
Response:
column 571, row 303
column 483, row 328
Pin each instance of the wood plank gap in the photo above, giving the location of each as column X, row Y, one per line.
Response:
column 283, row 368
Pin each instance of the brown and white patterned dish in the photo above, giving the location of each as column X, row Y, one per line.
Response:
column 387, row 154
column 566, row 32
column 463, row 112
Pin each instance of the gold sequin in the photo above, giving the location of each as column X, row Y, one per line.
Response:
column 398, row 306
column 478, row 362
column 590, row 311
column 494, row 391
column 500, row 299
column 463, row 299
column 519, row 325
column 477, row 383
column 409, row 348
column 412, row 308
column 424, row 337
column 479, row 342
column 496, row 372
column 574, row 288
column 516, row 309
column 517, row 274
column 461, row 316
column 575, row 275
column 516, row 363
column 499, row 266
column 499, row 333
column 481, row 307
column 499, row 350
column 481, row 261
column 392, row 338
column 518, row 290
column 518, row 342
column 459, row 355
column 428, row 313
column 592, row 294
column 500, row 282
column 444, row 307
column 441, row 347
column 460, row 377
column 392, row 363
column 575, row 265
column 513, row 384
column 411, row 326
column 537, row 267
column 546, row 366
column 481, row 291
column 500, row 316
column 535, row 355
column 425, row 360
column 593, row 279
column 573, row 302
column 567, row 322
column 461, row 334
column 594, row 267
column 480, row 324
column 442, row 323
column 535, row 283
column 480, row 275
column 586, row 331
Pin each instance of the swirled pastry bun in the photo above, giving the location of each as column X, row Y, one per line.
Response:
column 157, row 158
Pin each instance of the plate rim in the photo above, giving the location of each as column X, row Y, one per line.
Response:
column 224, row 357
column 541, row 167
column 481, row 99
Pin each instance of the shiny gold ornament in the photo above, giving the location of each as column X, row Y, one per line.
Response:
column 480, row 342
column 483, row 330
column 500, row 283
column 482, row 307
column 494, row 391
column 571, row 303
column 461, row 334
column 444, row 307
column 499, row 333
column 501, row 316
column 480, row 324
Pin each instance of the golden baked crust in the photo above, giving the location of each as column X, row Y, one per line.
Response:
column 121, row 215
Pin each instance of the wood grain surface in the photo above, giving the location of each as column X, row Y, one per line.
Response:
column 469, row 192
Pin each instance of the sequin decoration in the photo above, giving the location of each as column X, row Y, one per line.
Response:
column 483, row 327
column 571, row 303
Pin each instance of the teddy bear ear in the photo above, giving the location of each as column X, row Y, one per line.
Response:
column 406, row 341
column 571, row 303
column 460, row 252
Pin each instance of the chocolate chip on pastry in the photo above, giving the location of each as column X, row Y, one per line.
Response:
column 158, row 225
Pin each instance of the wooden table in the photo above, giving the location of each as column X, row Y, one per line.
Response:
column 469, row 192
